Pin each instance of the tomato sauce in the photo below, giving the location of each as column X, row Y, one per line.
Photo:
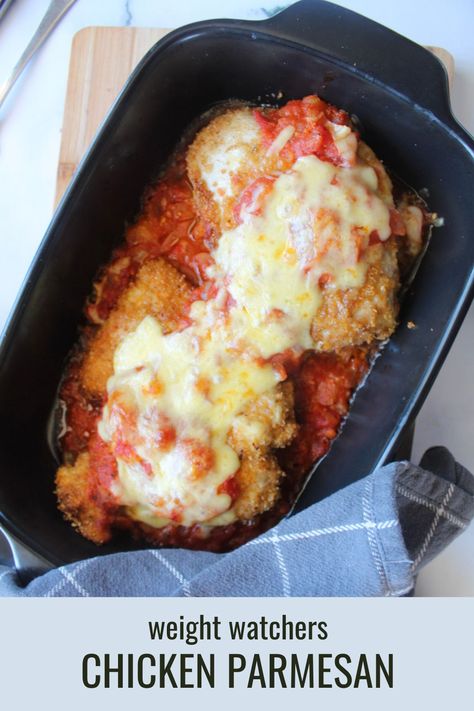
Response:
column 323, row 384
column 169, row 227
column 308, row 118
column 253, row 197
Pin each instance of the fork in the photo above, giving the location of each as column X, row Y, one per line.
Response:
column 54, row 13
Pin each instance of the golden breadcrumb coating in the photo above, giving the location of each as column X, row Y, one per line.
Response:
column 266, row 424
column 72, row 490
column 351, row 317
column 227, row 152
column 158, row 290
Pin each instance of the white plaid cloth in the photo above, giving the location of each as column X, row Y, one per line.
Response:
column 369, row 539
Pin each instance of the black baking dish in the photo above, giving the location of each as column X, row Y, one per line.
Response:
column 397, row 90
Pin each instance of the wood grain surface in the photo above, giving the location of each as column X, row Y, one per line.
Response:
column 101, row 60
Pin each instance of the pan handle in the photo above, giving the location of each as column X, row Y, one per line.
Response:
column 27, row 563
column 368, row 47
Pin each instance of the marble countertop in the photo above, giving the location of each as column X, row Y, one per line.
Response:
column 30, row 132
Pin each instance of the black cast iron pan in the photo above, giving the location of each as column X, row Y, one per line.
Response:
column 397, row 90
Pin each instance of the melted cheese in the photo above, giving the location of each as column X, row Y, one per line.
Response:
column 281, row 140
column 315, row 221
column 345, row 140
column 230, row 154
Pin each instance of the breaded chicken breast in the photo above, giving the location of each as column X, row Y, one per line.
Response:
column 158, row 290
column 73, row 491
column 221, row 161
column 187, row 396
column 235, row 149
column 266, row 424
column 230, row 154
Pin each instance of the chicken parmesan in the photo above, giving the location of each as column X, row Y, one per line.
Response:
column 225, row 338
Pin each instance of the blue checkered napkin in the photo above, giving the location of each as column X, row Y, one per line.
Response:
column 369, row 539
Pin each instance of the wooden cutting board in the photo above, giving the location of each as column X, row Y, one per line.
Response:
column 102, row 58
